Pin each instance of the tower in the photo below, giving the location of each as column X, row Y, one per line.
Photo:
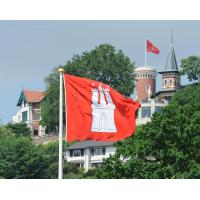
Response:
column 171, row 75
column 145, row 82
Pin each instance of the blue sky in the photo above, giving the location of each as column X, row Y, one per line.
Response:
column 29, row 50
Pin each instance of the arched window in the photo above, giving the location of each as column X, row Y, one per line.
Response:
column 170, row 82
column 165, row 83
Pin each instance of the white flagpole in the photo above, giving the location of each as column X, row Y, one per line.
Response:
column 145, row 52
column 60, row 162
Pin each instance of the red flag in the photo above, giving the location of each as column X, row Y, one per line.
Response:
column 151, row 48
column 96, row 111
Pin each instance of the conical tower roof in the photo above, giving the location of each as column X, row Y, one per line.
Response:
column 171, row 64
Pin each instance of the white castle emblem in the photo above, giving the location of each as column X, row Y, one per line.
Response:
column 102, row 110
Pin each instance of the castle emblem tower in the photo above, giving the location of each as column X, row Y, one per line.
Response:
column 102, row 110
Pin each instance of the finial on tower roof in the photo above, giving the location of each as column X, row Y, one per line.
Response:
column 172, row 41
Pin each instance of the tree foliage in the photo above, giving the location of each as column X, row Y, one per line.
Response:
column 191, row 67
column 167, row 147
column 20, row 129
column 20, row 158
column 104, row 64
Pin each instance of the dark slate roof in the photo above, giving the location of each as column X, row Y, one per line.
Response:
column 89, row 143
column 171, row 64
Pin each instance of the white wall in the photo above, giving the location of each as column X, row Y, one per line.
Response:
column 18, row 118
column 88, row 159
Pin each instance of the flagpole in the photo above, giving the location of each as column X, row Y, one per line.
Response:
column 60, row 162
column 145, row 52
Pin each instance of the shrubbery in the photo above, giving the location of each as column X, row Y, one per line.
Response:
column 167, row 147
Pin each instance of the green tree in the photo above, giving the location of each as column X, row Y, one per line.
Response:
column 19, row 157
column 50, row 153
column 191, row 67
column 20, row 129
column 104, row 64
column 166, row 147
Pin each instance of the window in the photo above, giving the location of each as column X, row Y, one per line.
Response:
column 165, row 83
column 98, row 151
column 36, row 115
column 76, row 153
column 25, row 103
column 36, row 105
column 92, row 152
column 158, row 109
column 170, row 82
column 82, row 152
column 146, row 112
column 24, row 116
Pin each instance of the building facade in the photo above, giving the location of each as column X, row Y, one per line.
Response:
column 89, row 154
column 29, row 112
column 145, row 93
column 147, row 109
column 152, row 101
